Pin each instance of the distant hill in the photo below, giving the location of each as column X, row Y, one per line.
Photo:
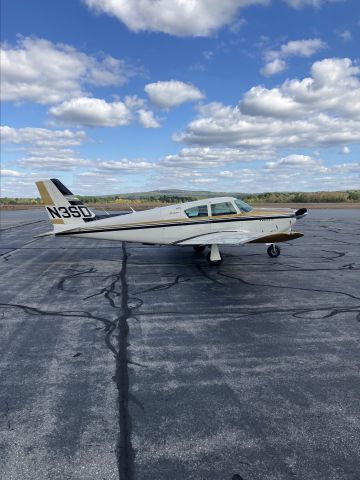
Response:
column 172, row 193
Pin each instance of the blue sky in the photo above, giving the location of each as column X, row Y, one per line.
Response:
column 129, row 95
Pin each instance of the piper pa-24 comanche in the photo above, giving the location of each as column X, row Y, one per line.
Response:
column 208, row 222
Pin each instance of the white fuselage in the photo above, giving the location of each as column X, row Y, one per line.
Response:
column 173, row 225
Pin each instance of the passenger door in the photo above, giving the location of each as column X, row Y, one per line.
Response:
column 221, row 214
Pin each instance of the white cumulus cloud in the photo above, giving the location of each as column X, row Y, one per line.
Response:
column 125, row 165
column 321, row 110
column 147, row 119
column 175, row 17
column 294, row 160
column 41, row 137
column 182, row 17
column 273, row 67
column 44, row 148
column 172, row 93
column 302, row 48
column 97, row 112
column 10, row 173
column 333, row 87
column 92, row 112
column 275, row 59
column 37, row 70
column 205, row 157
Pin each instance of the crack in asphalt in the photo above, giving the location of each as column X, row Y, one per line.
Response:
column 164, row 286
column 286, row 287
column 61, row 284
column 295, row 312
column 209, row 277
column 56, row 313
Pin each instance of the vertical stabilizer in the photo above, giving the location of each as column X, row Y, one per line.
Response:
column 61, row 205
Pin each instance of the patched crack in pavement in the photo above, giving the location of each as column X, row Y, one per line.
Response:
column 125, row 452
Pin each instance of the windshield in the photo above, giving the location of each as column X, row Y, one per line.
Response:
column 242, row 206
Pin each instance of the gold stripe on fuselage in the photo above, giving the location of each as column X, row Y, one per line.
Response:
column 256, row 214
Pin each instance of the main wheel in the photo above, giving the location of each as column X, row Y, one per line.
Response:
column 213, row 263
column 199, row 248
column 273, row 251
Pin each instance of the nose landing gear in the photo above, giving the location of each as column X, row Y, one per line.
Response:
column 273, row 251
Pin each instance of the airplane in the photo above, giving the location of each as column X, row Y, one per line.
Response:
column 202, row 223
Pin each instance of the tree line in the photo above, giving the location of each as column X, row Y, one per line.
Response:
column 350, row 196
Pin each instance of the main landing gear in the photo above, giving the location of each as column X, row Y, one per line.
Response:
column 273, row 251
column 215, row 258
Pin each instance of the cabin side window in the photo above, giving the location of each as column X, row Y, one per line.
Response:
column 199, row 211
column 224, row 208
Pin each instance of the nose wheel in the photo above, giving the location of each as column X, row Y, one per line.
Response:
column 273, row 251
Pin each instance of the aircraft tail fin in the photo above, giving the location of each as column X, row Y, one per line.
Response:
column 61, row 205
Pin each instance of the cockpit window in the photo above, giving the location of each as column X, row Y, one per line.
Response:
column 225, row 208
column 199, row 211
column 242, row 206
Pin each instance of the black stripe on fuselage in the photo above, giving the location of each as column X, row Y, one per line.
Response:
column 178, row 224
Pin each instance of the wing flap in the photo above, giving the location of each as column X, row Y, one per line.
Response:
column 236, row 237
column 277, row 237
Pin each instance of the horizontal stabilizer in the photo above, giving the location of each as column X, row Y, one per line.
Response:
column 301, row 213
column 46, row 234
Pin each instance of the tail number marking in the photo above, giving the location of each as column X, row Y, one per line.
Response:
column 68, row 212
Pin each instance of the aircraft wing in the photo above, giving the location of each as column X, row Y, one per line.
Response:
column 236, row 237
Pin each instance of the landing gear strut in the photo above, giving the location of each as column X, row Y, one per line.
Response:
column 273, row 251
column 199, row 248
column 214, row 257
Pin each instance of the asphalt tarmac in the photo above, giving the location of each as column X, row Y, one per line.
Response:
column 144, row 363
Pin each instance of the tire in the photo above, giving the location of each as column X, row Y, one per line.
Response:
column 213, row 263
column 199, row 248
column 273, row 251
